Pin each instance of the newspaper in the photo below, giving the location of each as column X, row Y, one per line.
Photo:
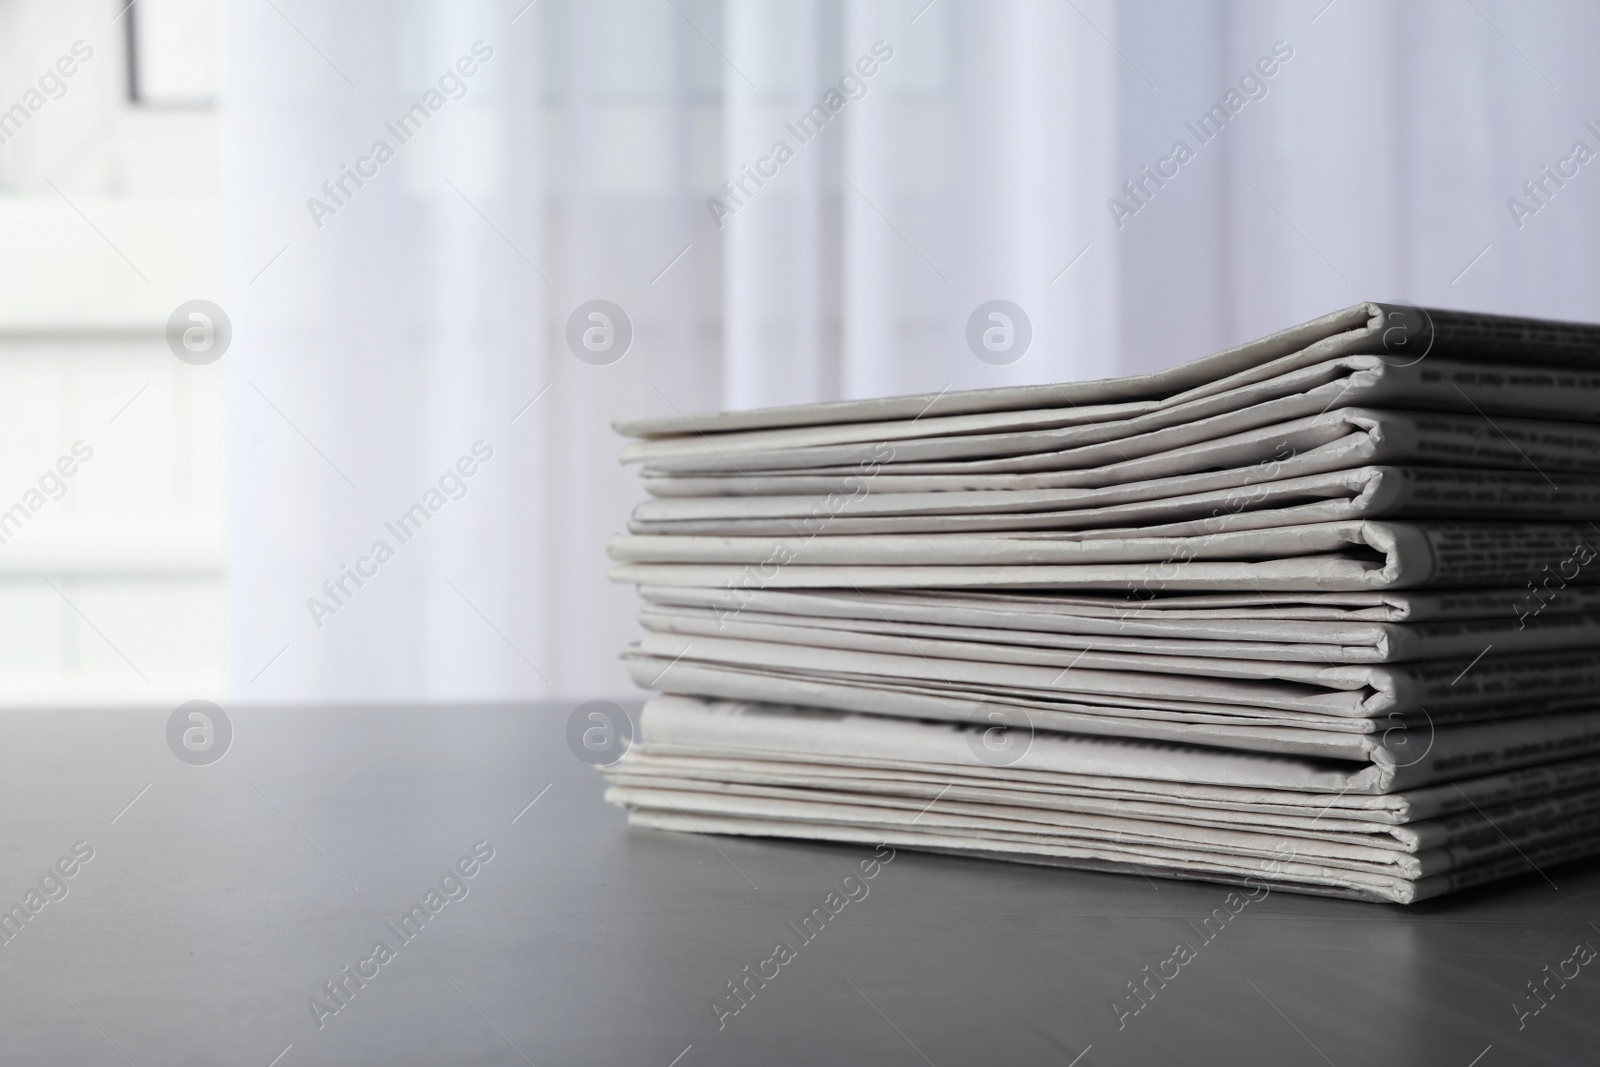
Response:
column 1394, row 855
column 1540, row 673
column 1330, row 556
column 1403, row 334
column 1160, row 504
column 1338, row 439
column 1352, row 380
column 1416, row 819
column 1567, row 840
column 763, row 727
column 811, row 775
column 1519, row 694
column 1289, row 634
column 1069, row 765
column 1194, row 612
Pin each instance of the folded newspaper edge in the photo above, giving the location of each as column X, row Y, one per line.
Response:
column 1184, row 614
column 1410, row 749
column 1333, row 556
column 1521, row 392
column 986, row 823
column 1402, row 333
column 1557, row 643
column 775, row 730
column 1282, row 873
column 1338, row 439
column 1508, row 620
column 1360, row 492
column 841, row 779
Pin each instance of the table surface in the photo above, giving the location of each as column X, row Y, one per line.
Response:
column 219, row 899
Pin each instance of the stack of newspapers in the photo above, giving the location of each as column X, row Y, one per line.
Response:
column 1321, row 611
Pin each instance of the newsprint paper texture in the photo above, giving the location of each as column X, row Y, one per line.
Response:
column 1318, row 612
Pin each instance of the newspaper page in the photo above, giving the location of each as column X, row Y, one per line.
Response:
column 1367, row 381
column 1506, row 620
column 1338, row 439
column 1361, row 555
column 820, row 777
column 1403, row 334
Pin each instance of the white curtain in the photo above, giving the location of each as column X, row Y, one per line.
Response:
column 970, row 152
column 1379, row 164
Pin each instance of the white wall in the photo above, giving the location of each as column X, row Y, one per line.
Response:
column 108, row 220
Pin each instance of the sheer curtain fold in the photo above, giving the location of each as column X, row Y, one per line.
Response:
column 781, row 345
column 377, row 358
column 1381, row 163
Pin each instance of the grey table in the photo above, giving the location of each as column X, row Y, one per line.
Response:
column 219, row 899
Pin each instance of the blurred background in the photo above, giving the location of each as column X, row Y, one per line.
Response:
column 398, row 208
